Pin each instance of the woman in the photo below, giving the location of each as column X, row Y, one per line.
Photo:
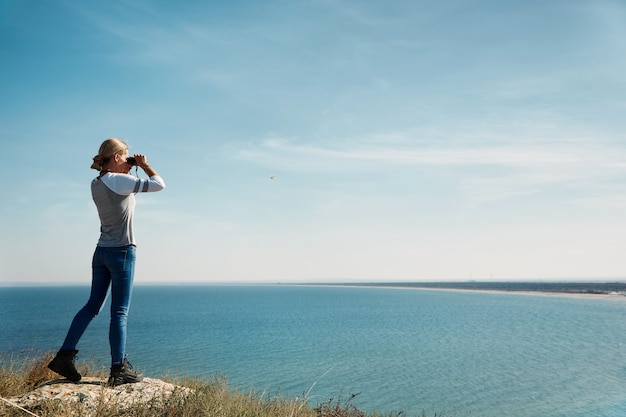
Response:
column 113, row 262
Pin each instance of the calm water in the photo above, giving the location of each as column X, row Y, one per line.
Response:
column 464, row 354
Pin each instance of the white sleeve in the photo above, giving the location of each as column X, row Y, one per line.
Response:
column 125, row 184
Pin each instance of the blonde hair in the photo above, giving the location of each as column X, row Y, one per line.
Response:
column 108, row 150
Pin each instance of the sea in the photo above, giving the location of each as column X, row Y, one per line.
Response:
column 396, row 351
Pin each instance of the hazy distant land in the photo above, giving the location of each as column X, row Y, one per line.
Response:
column 572, row 288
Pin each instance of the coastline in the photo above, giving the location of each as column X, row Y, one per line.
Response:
column 515, row 292
column 589, row 294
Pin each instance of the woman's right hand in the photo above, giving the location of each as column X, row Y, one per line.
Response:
column 142, row 162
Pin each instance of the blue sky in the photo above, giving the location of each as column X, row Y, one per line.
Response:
column 408, row 140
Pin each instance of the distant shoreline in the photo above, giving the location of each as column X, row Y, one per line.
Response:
column 613, row 290
column 535, row 293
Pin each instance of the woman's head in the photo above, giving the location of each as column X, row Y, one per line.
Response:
column 108, row 150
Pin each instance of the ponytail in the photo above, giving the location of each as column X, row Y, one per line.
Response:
column 97, row 162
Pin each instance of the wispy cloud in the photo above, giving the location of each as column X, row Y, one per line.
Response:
column 483, row 171
column 274, row 151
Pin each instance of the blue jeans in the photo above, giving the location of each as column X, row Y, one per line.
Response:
column 114, row 267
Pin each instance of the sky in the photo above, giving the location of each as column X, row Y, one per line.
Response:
column 319, row 140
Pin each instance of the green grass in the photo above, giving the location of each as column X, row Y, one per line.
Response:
column 214, row 397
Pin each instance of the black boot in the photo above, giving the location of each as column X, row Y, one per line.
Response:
column 63, row 364
column 124, row 374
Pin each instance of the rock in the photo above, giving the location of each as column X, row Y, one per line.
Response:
column 93, row 393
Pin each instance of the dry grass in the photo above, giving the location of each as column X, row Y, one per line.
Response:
column 21, row 374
